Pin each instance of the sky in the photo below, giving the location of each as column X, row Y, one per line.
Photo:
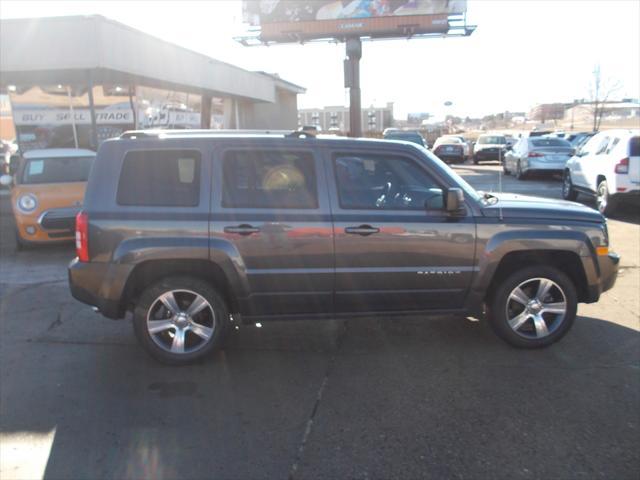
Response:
column 522, row 53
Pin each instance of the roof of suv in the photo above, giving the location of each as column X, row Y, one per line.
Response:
column 256, row 135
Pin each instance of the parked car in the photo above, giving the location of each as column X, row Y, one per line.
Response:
column 537, row 155
column 194, row 231
column 46, row 194
column 607, row 167
column 450, row 149
column 489, row 147
column 406, row 135
column 575, row 138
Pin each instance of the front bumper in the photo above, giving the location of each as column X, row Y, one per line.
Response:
column 608, row 273
column 489, row 154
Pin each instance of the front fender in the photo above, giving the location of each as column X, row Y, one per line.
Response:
column 495, row 247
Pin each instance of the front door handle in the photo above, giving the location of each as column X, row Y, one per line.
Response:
column 243, row 229
column 361, row 230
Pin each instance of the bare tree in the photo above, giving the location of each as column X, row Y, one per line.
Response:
column 601, row 89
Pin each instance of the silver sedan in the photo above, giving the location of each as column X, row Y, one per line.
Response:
column 537, row 155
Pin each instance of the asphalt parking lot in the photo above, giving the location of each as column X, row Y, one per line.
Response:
column 367, row 398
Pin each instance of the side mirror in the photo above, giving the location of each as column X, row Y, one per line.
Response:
column 6, row 180
column 454, row 200
column 435, row 201
column 508, row 147
column 581, row 153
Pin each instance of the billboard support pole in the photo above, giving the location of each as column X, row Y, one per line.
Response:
column 352, row 81
column 92, row 111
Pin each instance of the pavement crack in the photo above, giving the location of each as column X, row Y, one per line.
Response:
column 56, row 323
column 316, row 405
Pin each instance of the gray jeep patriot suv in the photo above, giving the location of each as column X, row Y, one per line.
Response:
column 191, row 230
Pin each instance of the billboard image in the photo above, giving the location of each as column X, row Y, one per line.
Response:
column 294, row 20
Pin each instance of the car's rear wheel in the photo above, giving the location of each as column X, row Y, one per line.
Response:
column 604, row 202
column 476, row 160
column 568, row 192
column 533, row 307
column 180, row 319
column 520, row 174
column 505, row 170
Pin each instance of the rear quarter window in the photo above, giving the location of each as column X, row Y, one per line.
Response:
column 634, row 147
column 168, row 178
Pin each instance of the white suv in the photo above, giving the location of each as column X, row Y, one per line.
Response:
column 607, row 167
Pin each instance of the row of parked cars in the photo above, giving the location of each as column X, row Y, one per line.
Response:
column 604, row 165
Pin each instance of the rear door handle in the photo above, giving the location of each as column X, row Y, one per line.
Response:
column 361, row 230
column 243, row 229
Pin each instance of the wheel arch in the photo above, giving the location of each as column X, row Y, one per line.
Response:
column 566, row 261
column 148, row 272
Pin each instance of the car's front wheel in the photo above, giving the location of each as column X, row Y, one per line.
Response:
column 533, row 307
column 505, row 170
column 568, row 192
column 520, row 174
column 180, row 319
column 604, row 202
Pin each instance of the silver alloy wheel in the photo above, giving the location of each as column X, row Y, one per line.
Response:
column 181, row 321
column 603, row 197
column 536, row 308
column 566, row 186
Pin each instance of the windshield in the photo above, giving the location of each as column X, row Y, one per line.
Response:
column 57, row 170
column 495, row 140
column 468, row 189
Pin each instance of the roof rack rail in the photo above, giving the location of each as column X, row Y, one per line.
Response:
column 306, row 131
column 158, row 133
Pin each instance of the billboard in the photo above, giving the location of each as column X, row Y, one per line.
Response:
column 296, row 20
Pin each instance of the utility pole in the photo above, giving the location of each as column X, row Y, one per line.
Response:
column 352, row 82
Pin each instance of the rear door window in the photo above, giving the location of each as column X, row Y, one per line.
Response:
column 634, row 147
column 269, row 179
column 168, row 178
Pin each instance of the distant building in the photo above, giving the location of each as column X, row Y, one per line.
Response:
column 583, row 112
column 336, row 118
column 548, row 111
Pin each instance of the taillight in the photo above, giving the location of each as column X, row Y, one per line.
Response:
column 535, row 155
column 82, row 236
column 623, row 166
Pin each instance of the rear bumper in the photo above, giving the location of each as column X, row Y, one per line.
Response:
column 550, row 167
column 100, row 285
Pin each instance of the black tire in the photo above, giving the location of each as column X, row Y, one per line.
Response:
column 520, row 175
column 21, row 245
column 475, row 160
column 605, row 203
column 504, row 167
column 502, row 306
column 568, row 192
column 215, row 318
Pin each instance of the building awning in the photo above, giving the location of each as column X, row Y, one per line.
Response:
column 70, row 49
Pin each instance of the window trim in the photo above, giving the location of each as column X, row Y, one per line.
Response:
column 396, row 211
column 301, row 151
column 199, row 175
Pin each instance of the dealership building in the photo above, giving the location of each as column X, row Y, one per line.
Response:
column 76, row 81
